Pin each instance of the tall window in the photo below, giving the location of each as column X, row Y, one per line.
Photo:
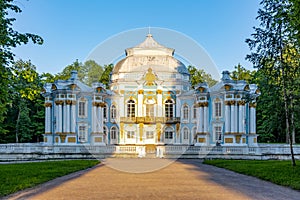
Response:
column 149, row 110
column 218, row 107
column 185, row 112
column 82, row 134
column 113, row 112
column 104, row 111
column 149, row 135
column 194, row 132
column 169, row 108
column 218, row 133
column 104, row 130
column 194, row 112
column 168, row 133
column 82, row 109
column 113, row 133
column 130, row 108
column 185, row 133
column 130, row 134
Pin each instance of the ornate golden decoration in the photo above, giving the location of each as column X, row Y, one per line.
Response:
column 238, row 138
column 158, row 131
column 140, row 91
column 241, row 103
column 59, row 102
column 227, row 87
column 201, row 89
column 150, row 77
column 122, row 130
column 158, row 91
column 252, row 105
column 141, row 125
column 48, row 104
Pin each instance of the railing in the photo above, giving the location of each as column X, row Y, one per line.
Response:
column 263, row 151
column 150, row 119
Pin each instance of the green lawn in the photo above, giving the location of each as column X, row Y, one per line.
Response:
column 15, row 177
column 279, row 172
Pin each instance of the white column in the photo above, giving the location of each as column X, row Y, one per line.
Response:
column 227, row 117
column 46, row 120
column 252, row 119
column 140, row 103
column 68, row 118
column 64, row 114
column 232, row 119
column 178, row 107
column 198, row 120
column 73, row 118
column 94, row 118
column 201, row 119
column 241, row 117
column 60, row 118
column 100, row 119
column 56, row 117
column 49, row 120
column 159, row 104
column 205, row 119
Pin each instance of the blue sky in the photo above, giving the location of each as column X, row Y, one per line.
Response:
column 71, row 29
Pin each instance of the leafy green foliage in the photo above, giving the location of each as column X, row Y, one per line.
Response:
column 275, row 53
column 241, row 73
column 9, row 38
column 267, row 170
column 105, row 78
column 200, row 76
column 15, row 177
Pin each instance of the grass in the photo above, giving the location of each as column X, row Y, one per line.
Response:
column 278, row 172
column 15, row 177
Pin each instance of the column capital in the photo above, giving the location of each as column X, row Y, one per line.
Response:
column 241, row 103
column 48, row 104
column 252, row 105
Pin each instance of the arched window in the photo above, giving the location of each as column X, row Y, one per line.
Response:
column 169, row 133
column 185, row 133
column 169, row 108
column 130, row 108
column 185, row 112
column 113, row 112
column 113, row 133
column 194, row 112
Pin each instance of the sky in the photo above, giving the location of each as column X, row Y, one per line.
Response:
column 72, row 29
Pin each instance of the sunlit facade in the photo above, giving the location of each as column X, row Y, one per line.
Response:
column 150, row 102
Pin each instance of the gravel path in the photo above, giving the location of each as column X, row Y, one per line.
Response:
column 157, row 179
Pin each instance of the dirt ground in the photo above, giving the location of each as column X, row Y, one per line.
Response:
column 156, row 179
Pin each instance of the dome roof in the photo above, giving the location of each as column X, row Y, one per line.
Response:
column 147, row 54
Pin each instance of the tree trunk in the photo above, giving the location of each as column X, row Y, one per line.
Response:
column 17, row 126
column 288, row 133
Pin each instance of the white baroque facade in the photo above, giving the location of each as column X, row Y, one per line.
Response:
column 150, row 102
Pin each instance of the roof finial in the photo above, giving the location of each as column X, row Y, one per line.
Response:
column 149, row 32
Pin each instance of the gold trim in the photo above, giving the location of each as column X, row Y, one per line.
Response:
column 252, row 105
column 158, row 91
column 59, row 102
column 48, row 104
column 141, row 92
column 241, row 103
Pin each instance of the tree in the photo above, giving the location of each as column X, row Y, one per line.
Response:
column 25, row 115
column 105, row 78
column 241, row 73
column 88, row 72
column 271, row 46
column 200, row 76
column 9, row 38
